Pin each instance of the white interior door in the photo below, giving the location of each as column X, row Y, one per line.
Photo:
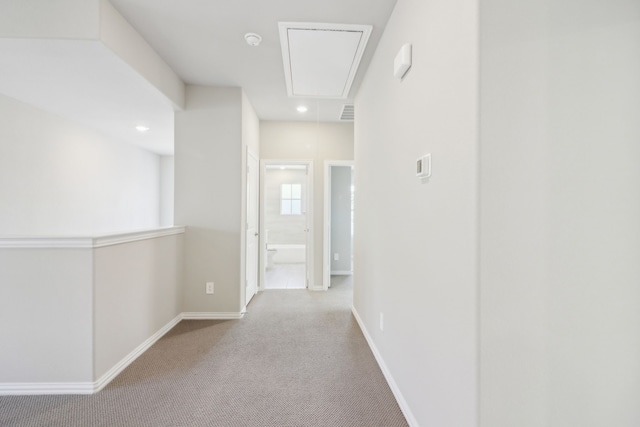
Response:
column 252, row 247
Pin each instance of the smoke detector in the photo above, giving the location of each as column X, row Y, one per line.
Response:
column 252, row 39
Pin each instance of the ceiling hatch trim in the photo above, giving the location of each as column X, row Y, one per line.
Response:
column 321, row 60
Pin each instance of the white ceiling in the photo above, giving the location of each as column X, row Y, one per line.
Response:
column 83, row 81
column 203, row 41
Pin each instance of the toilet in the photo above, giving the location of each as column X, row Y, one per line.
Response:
column 270, row 252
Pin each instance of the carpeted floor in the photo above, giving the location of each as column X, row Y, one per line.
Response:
column 298, row 358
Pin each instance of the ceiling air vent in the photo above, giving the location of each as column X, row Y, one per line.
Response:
column 347, row 114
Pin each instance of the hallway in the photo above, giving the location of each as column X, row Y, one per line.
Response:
column 298, row 358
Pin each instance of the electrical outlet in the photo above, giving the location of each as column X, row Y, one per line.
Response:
column 381, row 321
column 209, row 288
column 336, row 257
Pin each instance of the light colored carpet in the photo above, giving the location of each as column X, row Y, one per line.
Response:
column 298, row 358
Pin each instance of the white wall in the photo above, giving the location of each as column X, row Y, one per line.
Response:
column 57, row 177
column 167, row 188
column 72, row 310
column 341, row 218
column 125, row 41
column 250, row 126
column 137, row 291
column 62, row 19
column 309, row 141
column 209, row 161
column 415, row 244
column 46, row 318
column 560, row 210
column 284, row 229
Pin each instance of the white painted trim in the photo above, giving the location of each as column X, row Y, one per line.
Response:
column 404, row 406
column 193, row 315
column 311, row 207
column 26, row 389
column 85, row 242
column 262, row 253
column 20, row 389
column 46, row 243
column 341, row 273
column 326, row 223
column 137, row 352
column 117, row 239
column 243, row 229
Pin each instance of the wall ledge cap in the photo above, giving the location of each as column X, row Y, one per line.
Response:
column 80, row 242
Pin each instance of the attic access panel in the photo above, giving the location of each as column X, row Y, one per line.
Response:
column 321, row 60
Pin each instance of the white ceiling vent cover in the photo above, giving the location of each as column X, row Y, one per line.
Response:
column 348, row 113
column 321, row 60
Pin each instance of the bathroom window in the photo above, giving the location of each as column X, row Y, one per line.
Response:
column 291, row 199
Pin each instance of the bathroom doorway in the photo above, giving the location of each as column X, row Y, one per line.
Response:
column 338, row 227
column 286, row 216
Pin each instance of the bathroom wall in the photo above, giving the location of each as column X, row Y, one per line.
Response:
column 284, row 229
column 341, row 219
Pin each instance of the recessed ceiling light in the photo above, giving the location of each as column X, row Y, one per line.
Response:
column 252, row 39
column 302, row 109
column 141, row 128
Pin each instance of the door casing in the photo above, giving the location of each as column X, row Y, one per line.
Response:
column 326, row 223
column 252, row 242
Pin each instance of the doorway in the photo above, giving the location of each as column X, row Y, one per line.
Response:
column 338, row 220
column 287, row 218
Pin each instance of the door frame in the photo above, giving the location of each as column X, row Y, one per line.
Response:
column 309, row 270
column 326, row 226
column 251, row 154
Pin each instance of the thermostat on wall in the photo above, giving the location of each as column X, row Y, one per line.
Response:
column 423, row 166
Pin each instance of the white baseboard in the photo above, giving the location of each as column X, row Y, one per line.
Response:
column 404, row 407
column 137, row 352
column 24, row 389
column 194, row 315
column 341, row 273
